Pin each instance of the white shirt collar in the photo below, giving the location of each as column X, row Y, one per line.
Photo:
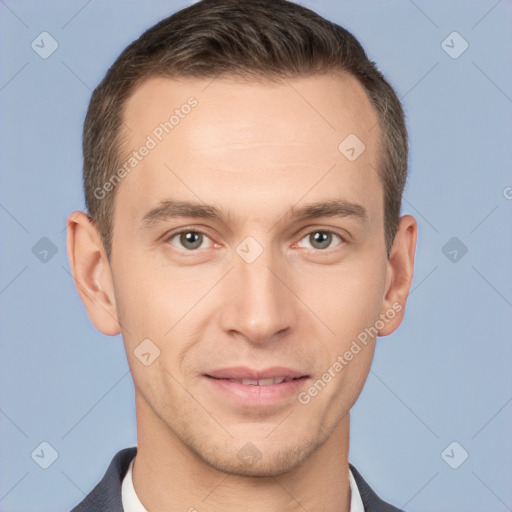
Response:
column 131, row 502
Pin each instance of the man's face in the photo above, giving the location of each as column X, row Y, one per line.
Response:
column 260, row 289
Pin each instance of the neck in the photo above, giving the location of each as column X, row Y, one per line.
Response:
column 167, row 475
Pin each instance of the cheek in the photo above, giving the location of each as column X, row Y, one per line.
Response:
column 158, row 304
column 346, row 299
column 150, row 300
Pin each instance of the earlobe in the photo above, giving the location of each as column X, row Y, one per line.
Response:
column 91, row 273
column 399, row 274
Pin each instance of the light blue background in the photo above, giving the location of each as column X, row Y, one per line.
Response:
column 443, row 376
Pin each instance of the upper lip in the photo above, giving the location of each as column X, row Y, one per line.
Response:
column 242, row 372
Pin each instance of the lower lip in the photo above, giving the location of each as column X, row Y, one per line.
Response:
column 255, row 396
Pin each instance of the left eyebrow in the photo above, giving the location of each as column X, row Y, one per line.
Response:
column 332, row 208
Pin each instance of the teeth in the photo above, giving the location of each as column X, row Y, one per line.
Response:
column 262, row 382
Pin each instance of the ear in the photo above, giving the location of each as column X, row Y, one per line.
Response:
column 91, row 273
column 399, row 274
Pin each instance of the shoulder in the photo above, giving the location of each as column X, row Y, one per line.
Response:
column 371, row 501
column 106, row 496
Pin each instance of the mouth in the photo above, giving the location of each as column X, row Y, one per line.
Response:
column 259, row 382
column 256, row 388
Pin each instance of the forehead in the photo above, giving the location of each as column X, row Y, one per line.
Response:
column 331, row 105
column 256, row 140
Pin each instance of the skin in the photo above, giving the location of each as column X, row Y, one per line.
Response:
column 254, row 151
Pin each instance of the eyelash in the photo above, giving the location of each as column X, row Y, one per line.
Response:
column 199, row 231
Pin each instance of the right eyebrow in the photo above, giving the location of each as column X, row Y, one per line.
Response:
column 170, row 209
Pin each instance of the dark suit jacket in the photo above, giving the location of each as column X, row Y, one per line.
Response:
column 106, row 496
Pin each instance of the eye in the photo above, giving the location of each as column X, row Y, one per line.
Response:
column 320, row 239
column 190, row 240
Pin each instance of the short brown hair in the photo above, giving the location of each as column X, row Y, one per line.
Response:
column 252, row 39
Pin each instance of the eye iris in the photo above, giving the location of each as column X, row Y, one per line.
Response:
column 191, row 239
column 322, row 238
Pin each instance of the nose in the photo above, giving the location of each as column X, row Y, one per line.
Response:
column 259, row 305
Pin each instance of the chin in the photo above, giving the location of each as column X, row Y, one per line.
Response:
column 259, row 459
